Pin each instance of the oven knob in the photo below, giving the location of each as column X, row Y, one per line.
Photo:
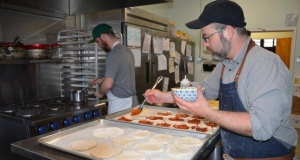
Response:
column 96, row 113
column 42, row 129
column 67, row 122
column 54, row 126
column 88, row 115
column 77, row 119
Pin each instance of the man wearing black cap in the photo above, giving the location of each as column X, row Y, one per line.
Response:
column 119, row 81
column 253, row 85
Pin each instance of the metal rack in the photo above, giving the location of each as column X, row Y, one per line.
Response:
column 82, row 61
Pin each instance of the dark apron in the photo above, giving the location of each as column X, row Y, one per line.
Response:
column 239, row 146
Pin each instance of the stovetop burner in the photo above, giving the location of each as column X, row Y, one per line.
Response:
column 11, row 109
column 55, row 107
column 29, row 112
column 78, row 103
column 61, row 100
column 36, row 104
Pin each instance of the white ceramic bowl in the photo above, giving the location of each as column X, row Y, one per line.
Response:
column 188, row 94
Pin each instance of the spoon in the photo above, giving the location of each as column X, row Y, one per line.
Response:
column 91, row 84
column 137, row 110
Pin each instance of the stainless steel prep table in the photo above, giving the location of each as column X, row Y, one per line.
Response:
column 30, row 148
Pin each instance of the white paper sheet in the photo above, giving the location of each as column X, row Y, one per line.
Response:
column 162, row 62
column 177, row 57
column 157, row 45
column 133, row 36
column 172, row 49
column 190, row 66
column 166, row 84
column 183, row 45
column 188, row 51
column 177, row 74
column 166, row 44
column 137, row 56
column 146, row 43
column 171, row 65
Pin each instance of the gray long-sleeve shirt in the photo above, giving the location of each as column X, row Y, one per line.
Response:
column 265, row 89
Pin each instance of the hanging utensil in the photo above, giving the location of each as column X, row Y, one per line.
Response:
column 137, row 110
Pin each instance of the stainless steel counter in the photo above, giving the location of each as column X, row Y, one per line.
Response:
column 31, row 149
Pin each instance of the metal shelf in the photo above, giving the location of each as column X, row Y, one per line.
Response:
column 32, row 61
column 83, row 62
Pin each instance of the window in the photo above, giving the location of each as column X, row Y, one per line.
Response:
column 269, row 44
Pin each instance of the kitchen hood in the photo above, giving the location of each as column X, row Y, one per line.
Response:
column 63, row 8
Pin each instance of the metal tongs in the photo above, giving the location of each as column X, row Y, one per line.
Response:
column 138, row 109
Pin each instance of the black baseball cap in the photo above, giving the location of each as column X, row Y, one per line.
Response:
column 219, row 11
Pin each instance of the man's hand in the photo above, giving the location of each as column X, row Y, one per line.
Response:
column 97, row 94
column 156, row 96
column 96, row 81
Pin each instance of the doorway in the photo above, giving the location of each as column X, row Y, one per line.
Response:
column 284, row 45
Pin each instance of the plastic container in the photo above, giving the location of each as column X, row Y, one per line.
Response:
column 297, row 79
column 185, row 82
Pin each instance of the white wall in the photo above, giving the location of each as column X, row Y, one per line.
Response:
column 258, row 14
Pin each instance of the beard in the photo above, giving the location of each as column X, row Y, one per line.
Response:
column 105, row 46
column 222, row 53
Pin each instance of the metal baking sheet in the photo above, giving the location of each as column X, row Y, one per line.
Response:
column 153, row 110
column 62, row 140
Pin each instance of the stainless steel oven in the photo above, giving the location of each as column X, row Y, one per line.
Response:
column 25, row 120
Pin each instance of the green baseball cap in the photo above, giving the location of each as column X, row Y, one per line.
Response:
column 100, row 29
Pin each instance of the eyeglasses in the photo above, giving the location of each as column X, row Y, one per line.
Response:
column 205, row 38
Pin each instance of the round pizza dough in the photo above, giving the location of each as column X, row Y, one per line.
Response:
column 161, row 138
column 105, row 151
column 189, row 141
column 140, row 134
column 83, row 145
column 149, row 147
column 108, row 132
column 178, row 151
column 130, row 155
column 123, row 141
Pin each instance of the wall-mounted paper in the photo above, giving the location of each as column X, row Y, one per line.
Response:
column 171, row 65
column 188, row 50
column 177, row 74
column 162, row 62
column 172, row 49
column 177, row 57
column 183, row 44
column 146, row 43
column 190, row 67
column 166, row 44
column 137, row 56
column 133, row 36
column 158, row 45
column 166, row 84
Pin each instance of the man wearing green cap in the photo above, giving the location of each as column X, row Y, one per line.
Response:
column 119, row 80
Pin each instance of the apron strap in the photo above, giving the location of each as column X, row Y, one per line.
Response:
column 236, row 78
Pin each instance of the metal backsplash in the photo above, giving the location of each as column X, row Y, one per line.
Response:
column 25, row 82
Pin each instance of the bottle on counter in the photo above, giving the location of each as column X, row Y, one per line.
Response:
column 185, row 82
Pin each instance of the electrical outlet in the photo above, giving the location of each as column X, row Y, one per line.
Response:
column 298, row 59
